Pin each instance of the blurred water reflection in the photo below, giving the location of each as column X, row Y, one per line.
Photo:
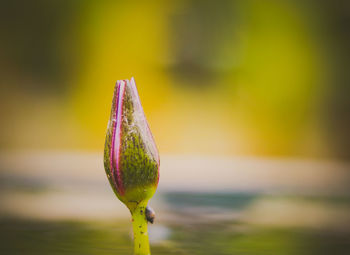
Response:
column 65, row 206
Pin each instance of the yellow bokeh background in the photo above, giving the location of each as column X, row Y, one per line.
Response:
column 235, row 78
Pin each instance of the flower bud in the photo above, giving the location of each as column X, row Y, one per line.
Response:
column 131, row 157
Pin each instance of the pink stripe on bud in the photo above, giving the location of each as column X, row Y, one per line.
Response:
column 116, row 138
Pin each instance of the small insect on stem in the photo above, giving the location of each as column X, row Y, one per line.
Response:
column 150, row 214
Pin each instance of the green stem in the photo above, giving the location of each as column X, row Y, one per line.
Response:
column 139, row 225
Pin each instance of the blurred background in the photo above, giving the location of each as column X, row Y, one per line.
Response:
column 248, row 102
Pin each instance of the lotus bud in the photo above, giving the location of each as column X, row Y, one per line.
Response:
column 131, row 157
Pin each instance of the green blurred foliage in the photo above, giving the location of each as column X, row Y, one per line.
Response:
column 40, row 237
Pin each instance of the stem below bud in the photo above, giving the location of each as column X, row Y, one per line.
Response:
column 139, row 224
